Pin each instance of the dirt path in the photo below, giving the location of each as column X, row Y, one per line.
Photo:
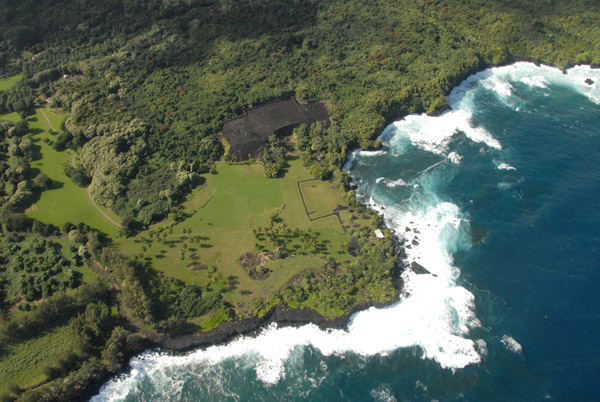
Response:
column 104, row 214
column 47, row 120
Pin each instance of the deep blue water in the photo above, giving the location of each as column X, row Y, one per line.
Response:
column 500, row 195
column 536, row 276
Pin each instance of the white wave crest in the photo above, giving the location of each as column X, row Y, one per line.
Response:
column 372, row 153
column 454, row 157
column 391, row 183
column 433, row 134
column 545, row 76
column 505, row 166
column 537, row 81
column 511, row 344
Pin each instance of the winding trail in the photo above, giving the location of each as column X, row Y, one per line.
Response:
column 104, row 214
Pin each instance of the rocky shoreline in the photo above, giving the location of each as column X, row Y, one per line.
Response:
column 181, row 344
column 281, row 315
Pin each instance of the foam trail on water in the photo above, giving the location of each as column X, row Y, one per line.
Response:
column 537, row 81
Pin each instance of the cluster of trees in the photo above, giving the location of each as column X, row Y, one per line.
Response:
column 53, row 311
column 20, row 99
column 335, row 288
column 34, row 270
column 148, row 298
column 274, row 157
column 36, row 276
column 284, row 241
column 18, row 183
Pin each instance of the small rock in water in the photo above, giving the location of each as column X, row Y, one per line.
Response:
column 589, row 81
column 418, row 268
column 407, row 229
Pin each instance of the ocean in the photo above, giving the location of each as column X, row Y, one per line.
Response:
column 497, row 199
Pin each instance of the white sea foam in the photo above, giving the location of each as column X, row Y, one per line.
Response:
column 383, row 393
column 537, row 81
column 454, row 157
column 511, row 344
column 545, row 76
column 481, row 347
column 505, row 166
column 433, row 134
column 503, row 185
column 391, row 183
column 371, row 153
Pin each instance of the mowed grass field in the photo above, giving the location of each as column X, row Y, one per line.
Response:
column 23, row 363
column 318, row 198
column 224, row 213
column 66, row 202
column 8, row 83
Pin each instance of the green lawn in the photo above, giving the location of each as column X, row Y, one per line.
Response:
column 320, row 198
column 224, row 213
column 14, row 117
column 8, row 83
column 66, row 202
column 23, row 363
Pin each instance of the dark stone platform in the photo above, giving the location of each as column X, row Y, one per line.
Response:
column 248, row 133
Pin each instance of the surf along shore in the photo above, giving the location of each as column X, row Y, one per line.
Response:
column 280, row 315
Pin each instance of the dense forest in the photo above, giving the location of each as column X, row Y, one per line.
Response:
column 147, row 85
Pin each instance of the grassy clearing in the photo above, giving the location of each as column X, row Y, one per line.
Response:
column 319, row 197
column 56, row 120
column 23, row 363
column 224, row 213
column 14, row 117
column 66, row 202
column 8, row 83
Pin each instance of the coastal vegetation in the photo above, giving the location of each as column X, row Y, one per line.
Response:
column 122, row 214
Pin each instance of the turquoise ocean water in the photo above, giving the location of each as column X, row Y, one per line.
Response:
column 498, row 199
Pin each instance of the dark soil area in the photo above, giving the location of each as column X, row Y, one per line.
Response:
column 247, row 134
